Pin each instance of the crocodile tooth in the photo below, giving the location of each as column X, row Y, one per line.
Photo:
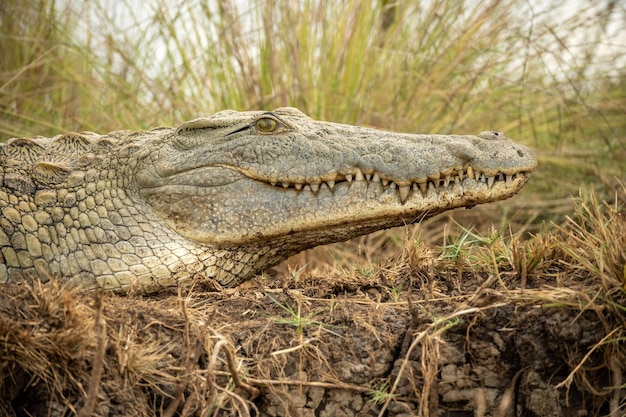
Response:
column 376, row 177
column 446, row 181
column 404, row 192
column 509, row 178
column 460, row 177
column 385, row 182
column 423, row 187
column 298, row 186
column 431, row 184
column 368, row 177
column 273, row 183
column 307, row 187
column 285, row 184
column 331, row 185
column 358, row 175
column 393, row 185
column 470, row 172
column 490, row 181
column 314, row 187
column 349, row 177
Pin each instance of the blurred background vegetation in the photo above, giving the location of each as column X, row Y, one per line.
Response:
column 550, row 73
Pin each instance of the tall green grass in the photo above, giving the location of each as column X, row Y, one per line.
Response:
column 551, row 78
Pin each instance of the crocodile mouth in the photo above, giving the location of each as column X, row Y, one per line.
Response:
column 403, row 188
column 249, row 208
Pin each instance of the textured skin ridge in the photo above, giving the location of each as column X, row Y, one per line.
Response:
column 227, row 196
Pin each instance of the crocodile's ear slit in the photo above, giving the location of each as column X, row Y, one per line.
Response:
column 208, row 123
column 196, row 124
column 190, row 134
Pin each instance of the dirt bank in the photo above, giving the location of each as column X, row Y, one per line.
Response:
column 515, row 328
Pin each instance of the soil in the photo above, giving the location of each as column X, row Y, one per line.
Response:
column 433, row 338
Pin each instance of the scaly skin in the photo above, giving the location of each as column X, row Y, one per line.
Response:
column 227, row 196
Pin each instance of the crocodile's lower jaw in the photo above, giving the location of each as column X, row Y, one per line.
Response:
column 350, row 209
column 380, row 207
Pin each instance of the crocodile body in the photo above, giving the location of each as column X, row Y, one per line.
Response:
column 228, row 196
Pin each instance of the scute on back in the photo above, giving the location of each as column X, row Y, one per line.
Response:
column 39, row 163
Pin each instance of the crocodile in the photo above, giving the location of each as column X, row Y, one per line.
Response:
column 225, row 197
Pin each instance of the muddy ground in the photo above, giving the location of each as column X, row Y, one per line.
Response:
column 532, row 329
column 349, row 347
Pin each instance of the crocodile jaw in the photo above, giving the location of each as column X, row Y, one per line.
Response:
column 294, row 217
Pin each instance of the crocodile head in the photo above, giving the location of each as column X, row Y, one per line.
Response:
column 283, row 180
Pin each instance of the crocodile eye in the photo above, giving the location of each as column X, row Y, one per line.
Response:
column 266, row 125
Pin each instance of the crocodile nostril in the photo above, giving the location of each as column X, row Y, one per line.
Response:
column 492, row 135
column 520, row 153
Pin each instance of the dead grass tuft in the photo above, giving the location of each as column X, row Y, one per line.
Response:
column 596, row 243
